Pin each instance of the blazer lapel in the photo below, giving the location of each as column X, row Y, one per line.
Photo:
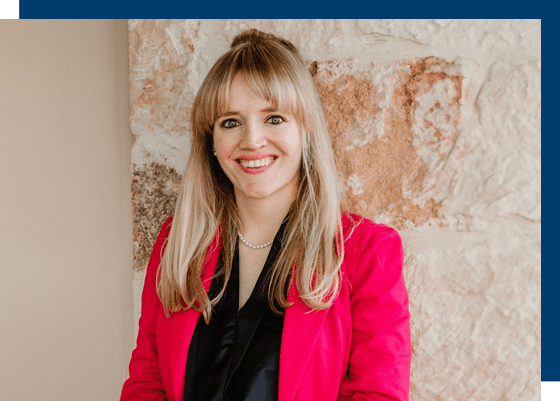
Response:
column 184, row 323
column 301, row 329
column 299, row 335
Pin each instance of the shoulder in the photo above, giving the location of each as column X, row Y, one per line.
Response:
column 164, row 231
column 159, row 247
column 368, row 244
column 166, row 226
column 357, row 229
column 161, row 240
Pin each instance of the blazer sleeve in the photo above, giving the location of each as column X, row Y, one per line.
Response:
column 379, row 362
column 145, row 381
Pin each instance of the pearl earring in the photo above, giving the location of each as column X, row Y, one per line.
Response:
column 215, row 154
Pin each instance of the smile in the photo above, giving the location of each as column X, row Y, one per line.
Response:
column 256, row 166
column 256, row 163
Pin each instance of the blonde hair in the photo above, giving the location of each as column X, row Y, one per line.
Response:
column 312, row 238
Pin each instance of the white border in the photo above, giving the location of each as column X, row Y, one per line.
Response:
column 9, row 9
column 550, row 391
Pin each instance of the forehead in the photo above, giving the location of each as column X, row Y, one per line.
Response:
column 253, row 93
column 243, row 95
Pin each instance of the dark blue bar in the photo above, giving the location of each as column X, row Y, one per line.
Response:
column 221, row 9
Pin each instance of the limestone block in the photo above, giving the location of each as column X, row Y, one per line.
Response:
column 154, row 194
column 158, row 75
column 496, row 165
column 460, row 33
column 475, row 306
column 392, row 128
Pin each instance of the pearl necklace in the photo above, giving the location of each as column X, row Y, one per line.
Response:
column 251, row 245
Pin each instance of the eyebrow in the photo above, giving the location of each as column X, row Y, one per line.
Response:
column 233, row 113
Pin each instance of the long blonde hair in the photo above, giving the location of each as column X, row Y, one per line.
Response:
column 312, row 238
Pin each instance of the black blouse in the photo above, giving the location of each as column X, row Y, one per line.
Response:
column 237, row 356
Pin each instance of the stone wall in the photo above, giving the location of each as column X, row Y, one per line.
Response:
column 436, row 130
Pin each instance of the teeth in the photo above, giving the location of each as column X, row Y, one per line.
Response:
column 257, row 163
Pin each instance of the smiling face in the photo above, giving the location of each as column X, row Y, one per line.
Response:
column 258, row 147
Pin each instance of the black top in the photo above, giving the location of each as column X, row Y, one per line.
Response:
column 237, row 356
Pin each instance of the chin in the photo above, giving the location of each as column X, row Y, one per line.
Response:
column 258, row 195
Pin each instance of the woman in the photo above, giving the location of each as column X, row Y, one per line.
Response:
column 259, row 288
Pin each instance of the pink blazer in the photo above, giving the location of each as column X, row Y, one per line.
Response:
column 358, row 349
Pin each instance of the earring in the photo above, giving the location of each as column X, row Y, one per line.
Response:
column 215, row 154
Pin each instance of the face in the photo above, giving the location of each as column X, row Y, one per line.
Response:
column 258, row 147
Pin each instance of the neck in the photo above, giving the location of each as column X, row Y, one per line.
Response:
column 262, row 217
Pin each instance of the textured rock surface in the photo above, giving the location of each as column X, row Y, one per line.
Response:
column 392, row 127
column 436, row 130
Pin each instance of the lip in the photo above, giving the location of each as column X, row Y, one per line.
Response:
column 255, row 170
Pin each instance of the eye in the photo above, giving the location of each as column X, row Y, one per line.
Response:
column 229, row 123
column 276, row 120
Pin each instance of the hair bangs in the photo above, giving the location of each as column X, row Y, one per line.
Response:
column 270, row 76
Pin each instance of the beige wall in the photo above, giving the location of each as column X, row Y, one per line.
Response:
column 65, row 215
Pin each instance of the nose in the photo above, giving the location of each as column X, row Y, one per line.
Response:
column 253, row 136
